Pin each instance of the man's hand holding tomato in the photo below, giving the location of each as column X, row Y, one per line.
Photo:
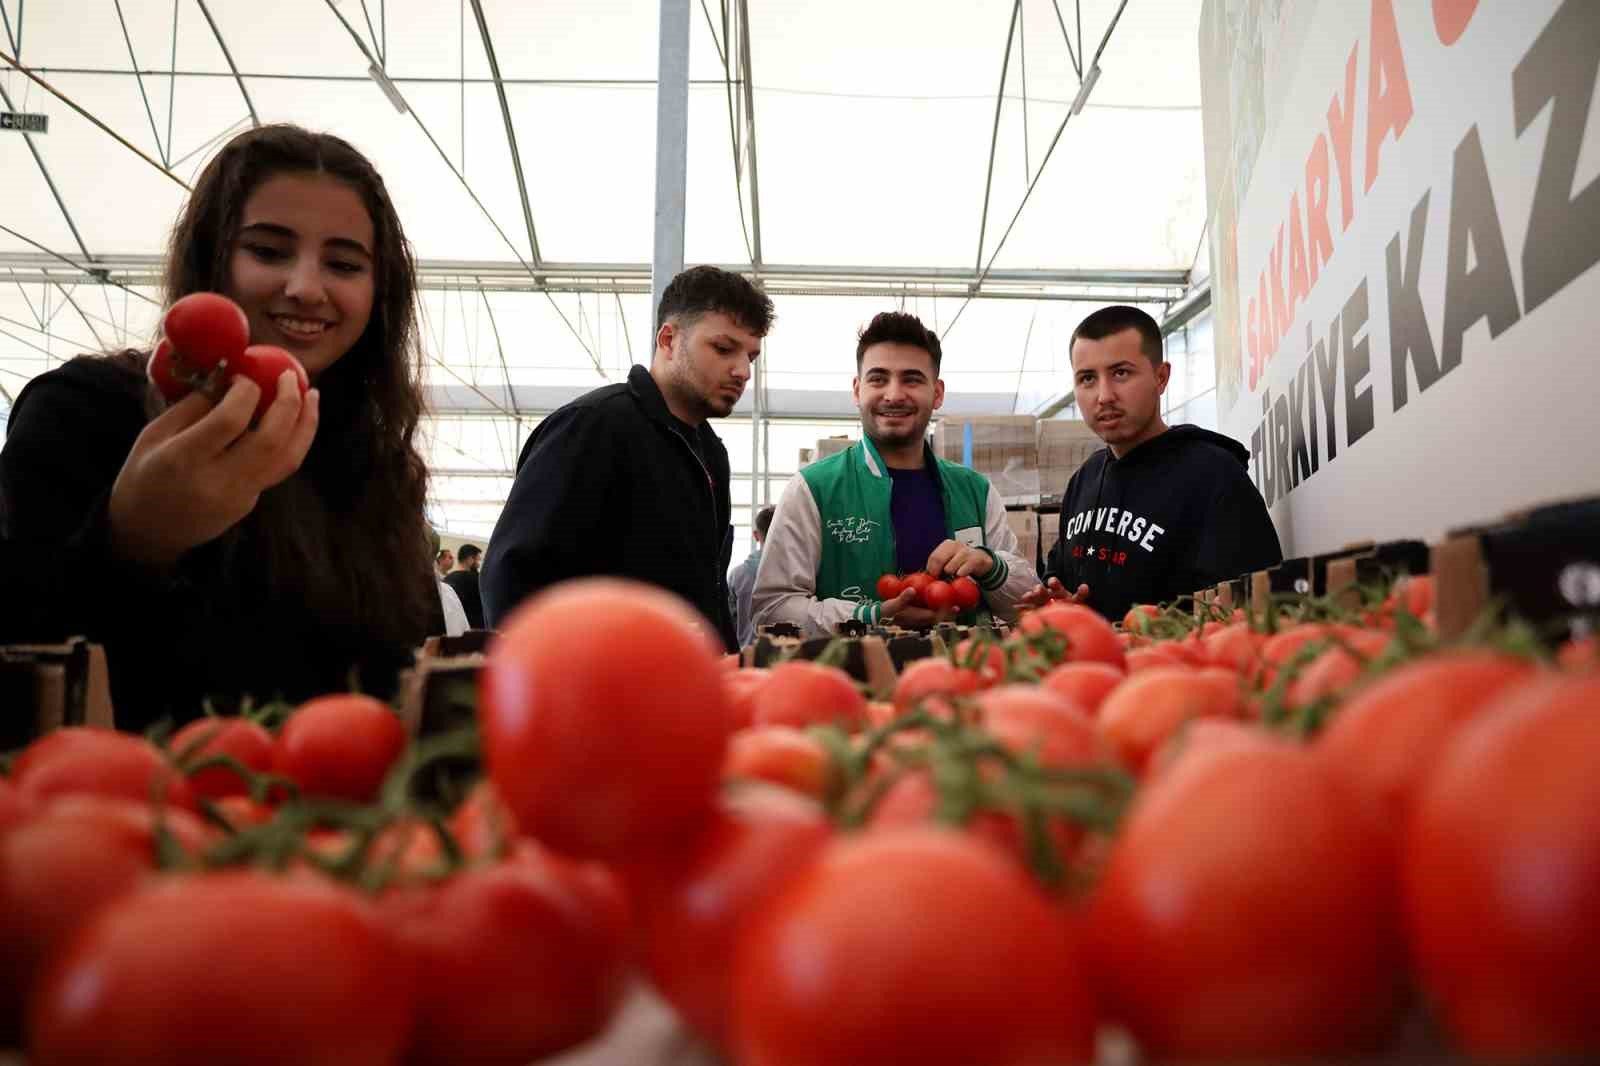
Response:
column 938, row 592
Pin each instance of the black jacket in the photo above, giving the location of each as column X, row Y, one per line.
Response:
column 465, row 585
column 173, row 639
column 1176, row 514
column 611, row 484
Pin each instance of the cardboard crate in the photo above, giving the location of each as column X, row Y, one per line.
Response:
column 1049, row 533
column 1542, row 564
column 1004, row 448
column 1063, row 446
column 1025, row 524
column 832, row 446
column 866, row 659
column 47, row 686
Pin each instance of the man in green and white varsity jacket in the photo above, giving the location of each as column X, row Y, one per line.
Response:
column 887, row 504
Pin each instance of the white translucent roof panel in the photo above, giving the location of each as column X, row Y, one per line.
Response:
column 873, row 127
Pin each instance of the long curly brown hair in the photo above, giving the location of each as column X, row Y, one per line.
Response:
column 346, row 534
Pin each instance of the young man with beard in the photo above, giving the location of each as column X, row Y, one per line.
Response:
column 886, row 504
column 1159, row 512
column 630, row 480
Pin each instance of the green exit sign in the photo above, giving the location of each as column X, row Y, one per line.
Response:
column 23, row 122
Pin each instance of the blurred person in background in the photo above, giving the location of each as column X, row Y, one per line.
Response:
column 464, row 580
column 742, row 581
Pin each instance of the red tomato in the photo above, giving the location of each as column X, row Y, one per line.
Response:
column 804, row 693
column 339, row 746
column 58, row 742
column 14, row 806
column 207, row 328
column 1278, row 650
column 1502, row 875
column 1138, row 617
column 521, row 958
column 932, row 677
column 1147, row 708
column 603, row 718
column 246, row 741
column 890, row 586
column 780, row 755
column 1248, row 911
column 1159, row 654
column 938, row 596
column 103, row 763
column 990, row 664
column 241, row 812
column 72, row 858
column 268, row 969
column 1199, row 737
column 167, row 374
column 482, row 824
column 879, row 712
column 1086, row 684
column 1385, row 741
column 1089, row 636
column 1415, row 593
column 693, row 905
column 1338, row 668
column 869, row 956
column 264, row 364
column 742, row 691
column 918, row 580
column 1030, row 719
column 967, row 593
column 1235, row 646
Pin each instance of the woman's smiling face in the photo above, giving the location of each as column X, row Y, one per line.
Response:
column 302, row 267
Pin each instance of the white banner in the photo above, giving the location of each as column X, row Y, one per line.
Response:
column 1405, row 209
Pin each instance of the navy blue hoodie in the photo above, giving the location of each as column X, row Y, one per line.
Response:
column 1175, row 515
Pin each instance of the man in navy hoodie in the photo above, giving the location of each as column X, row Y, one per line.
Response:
column 1159, row 512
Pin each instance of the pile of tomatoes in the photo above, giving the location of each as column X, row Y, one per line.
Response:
column 239, row 896
column 205, row 344
column 1229, row 838
column 932, row 593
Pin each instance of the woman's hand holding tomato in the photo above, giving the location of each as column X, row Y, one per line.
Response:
column 197, row 468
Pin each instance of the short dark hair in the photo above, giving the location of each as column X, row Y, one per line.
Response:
column 469, row 551
column 764, row 519
column 1116, row 318
column 704, row 289
column 897, row 327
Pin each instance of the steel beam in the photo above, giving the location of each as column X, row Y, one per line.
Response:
column 511, row 132
column 1109, row 286
column 672, row 148
column 227, row 55
column 994, row 134
column 747, row 78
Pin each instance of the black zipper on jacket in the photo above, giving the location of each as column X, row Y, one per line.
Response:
column 711, row 485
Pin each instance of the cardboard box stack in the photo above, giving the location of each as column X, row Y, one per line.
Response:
column 1025, row 524
column 1004, row 448
column 1049, row 532
column 831, row 446
column 1064, row 444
